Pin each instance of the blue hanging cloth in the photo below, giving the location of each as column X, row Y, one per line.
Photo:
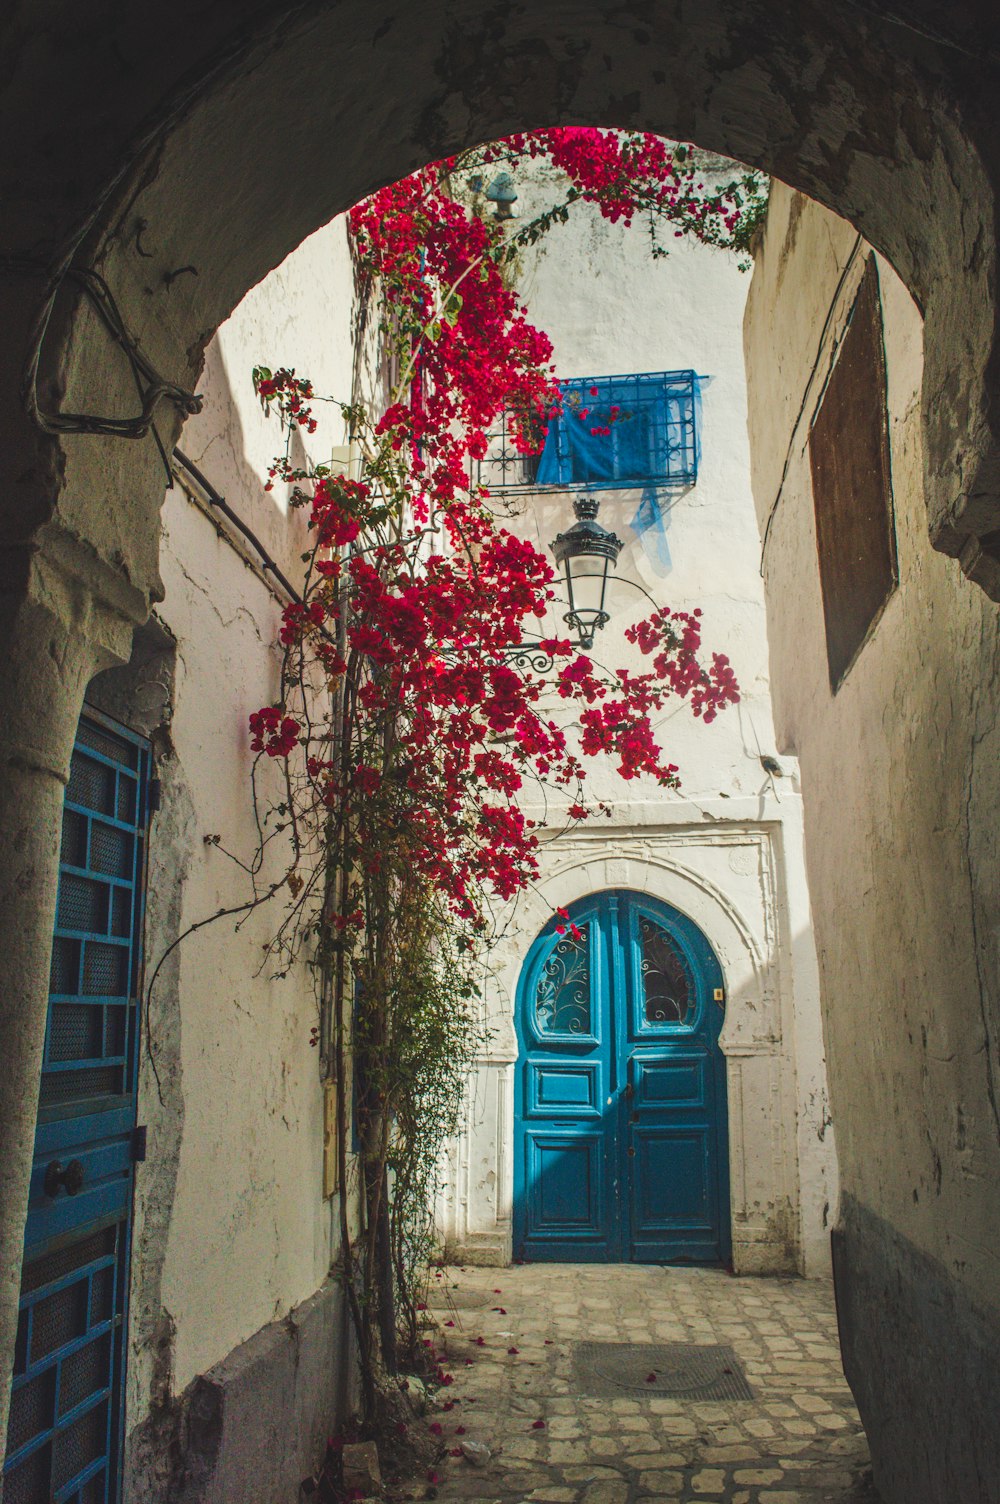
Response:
column 624, row 431
column 650, row 523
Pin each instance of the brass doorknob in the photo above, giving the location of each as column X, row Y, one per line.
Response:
column 70, row 1176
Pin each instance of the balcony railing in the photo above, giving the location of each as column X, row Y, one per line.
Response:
column 614, row 433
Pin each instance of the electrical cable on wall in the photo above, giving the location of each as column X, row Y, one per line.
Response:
column 151, row 387
column 185, row 467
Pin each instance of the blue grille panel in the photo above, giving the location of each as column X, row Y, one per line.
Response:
column 64, row 1436
column 614, row 433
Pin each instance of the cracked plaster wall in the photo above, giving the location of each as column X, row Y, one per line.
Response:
column 727, row 849
column 901, row 787
column 894, row 766
column 232, row 1231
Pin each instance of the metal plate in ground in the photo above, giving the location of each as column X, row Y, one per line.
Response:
column 681, row 1370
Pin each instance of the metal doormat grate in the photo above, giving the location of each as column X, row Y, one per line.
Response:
column 682, row 1370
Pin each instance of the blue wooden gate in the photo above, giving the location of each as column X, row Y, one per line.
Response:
column 65, row 1432
column 621, row 1139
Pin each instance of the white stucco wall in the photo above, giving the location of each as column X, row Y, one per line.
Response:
column 900, row 771
column 727, row 849
column 232, row 1229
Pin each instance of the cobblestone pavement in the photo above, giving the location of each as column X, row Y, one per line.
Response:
column 799, row 1441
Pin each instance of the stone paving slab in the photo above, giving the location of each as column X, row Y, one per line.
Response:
column 799, row 1441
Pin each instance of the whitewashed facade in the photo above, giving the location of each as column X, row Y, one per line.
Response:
column 232, row 1295
column 727, row 850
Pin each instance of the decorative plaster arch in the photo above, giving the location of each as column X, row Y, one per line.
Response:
column 729, row 933
column 760, row 1070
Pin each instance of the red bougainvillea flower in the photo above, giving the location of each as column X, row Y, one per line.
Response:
column 417, row 597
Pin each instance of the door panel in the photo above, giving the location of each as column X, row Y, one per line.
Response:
column 677, row 1079
column 571, row 1090
column 64, row 1435
column 670, row 1188
column 564, row 1094
column 671, row 1194
column 566, row 1173
column 621, row 1138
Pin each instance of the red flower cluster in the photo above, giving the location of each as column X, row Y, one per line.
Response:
column 416, row 601
column 475, row 353
column 675, row 637
column 449, row 727
column 294, row 395
column 273, row 732
column 629, row 172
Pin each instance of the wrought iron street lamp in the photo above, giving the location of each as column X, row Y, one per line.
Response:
column 585, row 553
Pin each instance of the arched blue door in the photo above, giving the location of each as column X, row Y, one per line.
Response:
column 621, row 1141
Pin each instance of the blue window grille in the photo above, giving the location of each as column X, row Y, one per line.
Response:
column 65, row 1430
column 614, row 433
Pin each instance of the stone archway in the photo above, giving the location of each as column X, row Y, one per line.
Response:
column 248, row 137
column 182, row 155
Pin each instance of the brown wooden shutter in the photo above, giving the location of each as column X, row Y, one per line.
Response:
column 852, row 485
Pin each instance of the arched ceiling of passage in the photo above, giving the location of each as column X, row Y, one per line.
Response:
column 185, row 150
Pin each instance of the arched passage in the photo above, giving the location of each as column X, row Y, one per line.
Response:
column 182, row 157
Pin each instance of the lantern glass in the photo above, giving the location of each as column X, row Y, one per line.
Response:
column 586, row 587
column 586, row 552
column 503, row 194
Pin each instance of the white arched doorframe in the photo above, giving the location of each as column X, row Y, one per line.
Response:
column 685, row 869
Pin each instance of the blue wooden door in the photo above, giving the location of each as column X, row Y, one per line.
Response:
column 65, row 1431
column 621, row 1138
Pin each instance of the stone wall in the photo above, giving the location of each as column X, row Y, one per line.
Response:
column 901, row 785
